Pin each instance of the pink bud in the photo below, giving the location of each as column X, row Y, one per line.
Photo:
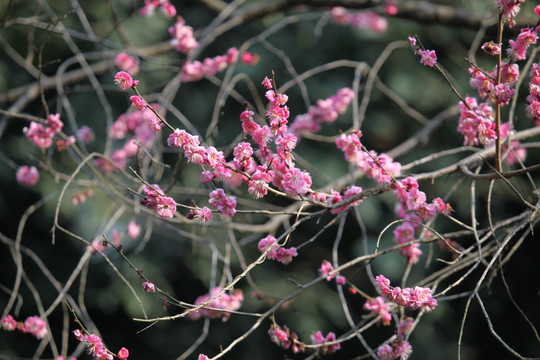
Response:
column 123, row 353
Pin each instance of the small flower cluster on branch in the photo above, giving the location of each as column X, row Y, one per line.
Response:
column 414, row 299
column 32, row 325
column 223, row 304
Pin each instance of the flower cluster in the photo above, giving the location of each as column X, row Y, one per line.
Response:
column 509, row 8
column 518, row 48
column 405, row 233
column 150, row 6
column 412, row 199
column 336, row 198
column 380, row 307
column 427, row 57
column 155, row 199
column 137, row 128
column 200, row 214
column 224, row 303
column 285, row 338
column 95, row 347
column 32, row 325
column 127, row 63
column 417, row 298
column 27, row 175
column 398, row 348
column 476, row 122
column 379, row 167
column 534, row 94
column 318, row 339
column 360, row 19
column 183, row 40
column 484, row 83
column 42, row 135
column 326, row 268
column 325, row 111
column 86, row 134
column 275, row 252
column 196, row 70
column 225, row 204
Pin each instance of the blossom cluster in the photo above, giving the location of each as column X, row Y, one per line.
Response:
column 183, row 39
column 27, row 175
column 285, row 338
column 398, row 348
column 150, row 6
column 42, row 135
column 379, row 167
column 127, row 63
column 325, row 111
column 326, row 268
column 137, row 128
column 417, row 298
column 273, row 251
column 95, row 347
column 196, row 70
column 164, row 206
column 32, row 325
column 534, row 94
column 318, row 339
column 360, row 19
column 224, row 303
column 380, row 307
column 427, row 57
column 485, row 84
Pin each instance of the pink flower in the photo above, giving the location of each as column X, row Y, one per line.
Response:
column 127, row 63
column 249, row 59
column 133, row 229
column 203, row 357
column 148, row 286
column 226, row 302
column 62, row 144
column 203, row 215
column 225, row 204
column 318, row 338
column 267, row 83
column 183, row 41
column 8, row 323
column 411, row 40
column 78, row 334
column 537, row 10
column 413, row 299
column 86, row 134
column 123, row 353
column 35, row 326
column 428, row 57
column 123, row 80
column 165, row 207
column 491, row 48
column 27, row 176
column 138, row 102
column 39, row 134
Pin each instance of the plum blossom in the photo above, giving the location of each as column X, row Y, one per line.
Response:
column 417, row 298
column 318, row 339
column 127, row 63
column 35, row 326
column 148, row 286
column 223, row 303
column 27, row 175
column 123, row 80
column 427, row 57
column 276, row 252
